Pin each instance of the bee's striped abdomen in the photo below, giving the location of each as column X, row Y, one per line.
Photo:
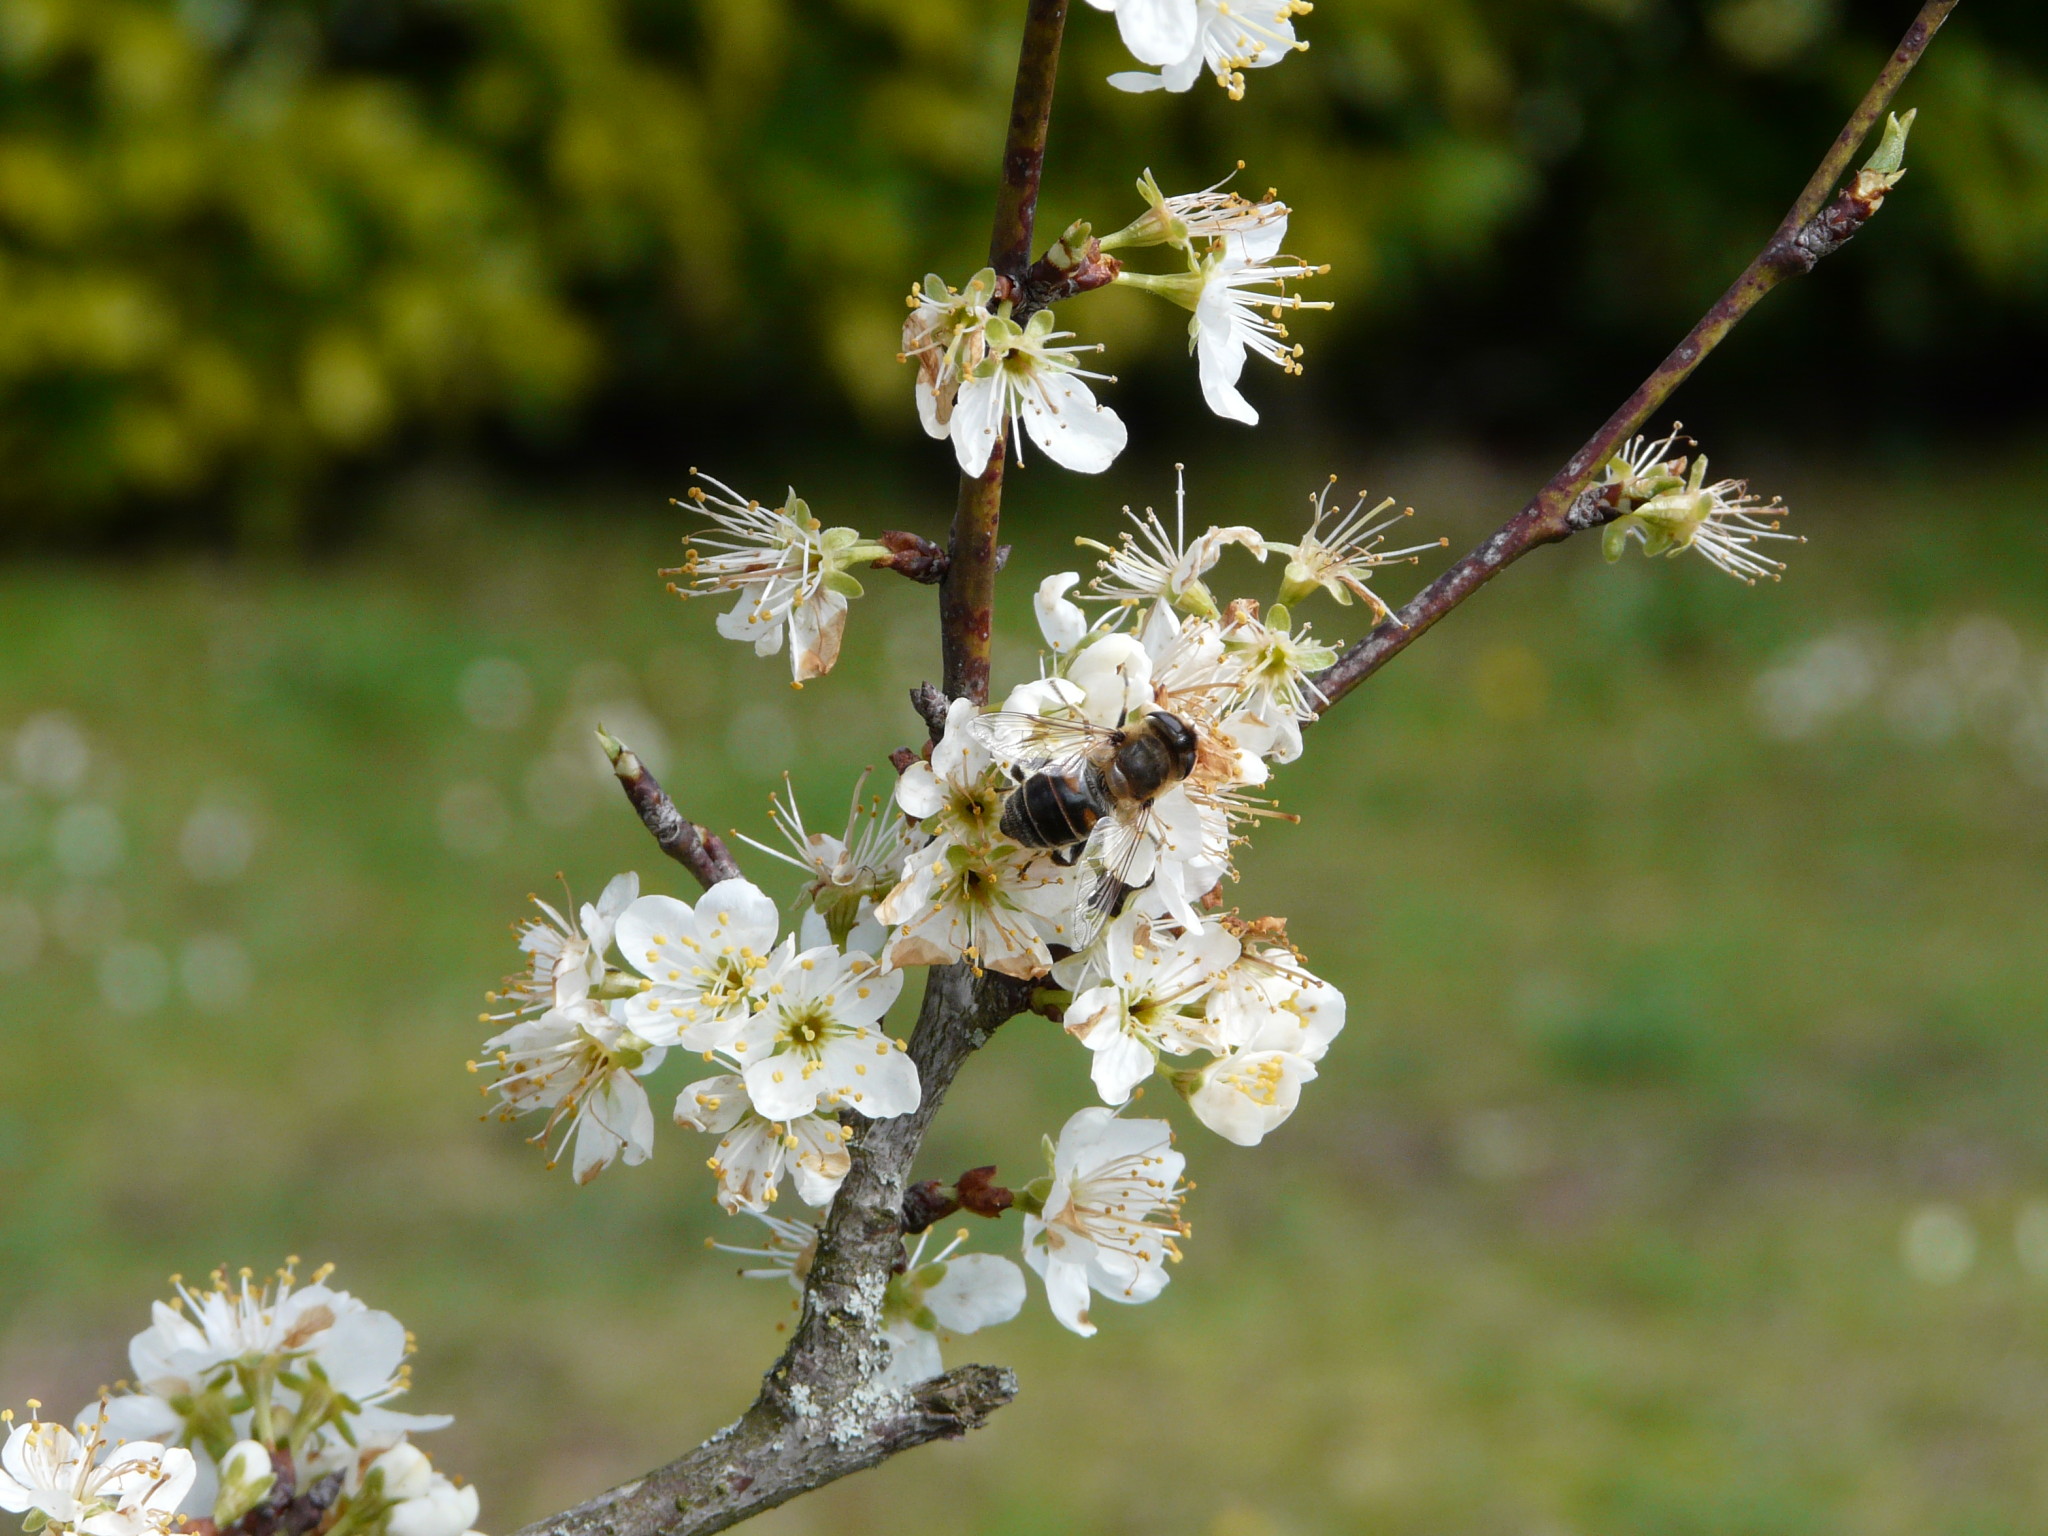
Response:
column 1052, row 810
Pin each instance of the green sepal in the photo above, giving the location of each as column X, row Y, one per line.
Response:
column 843, row 583
column 1614, row 539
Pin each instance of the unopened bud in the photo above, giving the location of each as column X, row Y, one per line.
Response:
column 246, row 1475
column 1889, row 158
column 979, row 1193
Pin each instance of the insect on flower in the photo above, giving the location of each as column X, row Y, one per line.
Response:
column 1089, row 792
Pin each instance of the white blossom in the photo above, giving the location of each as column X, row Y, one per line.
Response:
column 1276, row 663
column 1186, row 218
column 84, row 1485
column 1278, row 1020
column 423, row 1501
column 1155, row 566
column 1336, row 559
column 1230, row 37
column 992, row 904
column 1028, row 380
column 1145, row 999
column 581, row 1065
column 702, row 965
column 849, row 873
column 953, row 1291
column 946, row 335
column 566, row 955
column 959, row 793
column 754, row 1152
column 790, row 572
column 1244, row 1095
column 816, row 1040
column 335, row 1363
column 1723, row 521
column 1110, row 1217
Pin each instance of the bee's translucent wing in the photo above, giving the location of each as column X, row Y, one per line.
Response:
column 1034, row 742
column 1121, row 857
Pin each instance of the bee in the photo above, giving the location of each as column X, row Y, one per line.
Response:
column 1086, row 791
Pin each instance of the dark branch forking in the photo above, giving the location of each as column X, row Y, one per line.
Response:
column 819, row 1416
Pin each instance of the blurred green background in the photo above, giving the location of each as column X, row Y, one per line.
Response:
column 253, row 253
column 1682, row 1172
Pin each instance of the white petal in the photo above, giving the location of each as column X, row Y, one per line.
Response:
column 1120, row 1064
column 1158, row 31
column 978, row 1291
column 1077, row 433
column 1061, row 622
column 713, row 1104
column 977, row 429
column 1066, row 1289
column 738, row 912
column 779, row 1089
column 816, row 627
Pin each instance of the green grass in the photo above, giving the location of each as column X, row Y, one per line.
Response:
column 1666, row 1024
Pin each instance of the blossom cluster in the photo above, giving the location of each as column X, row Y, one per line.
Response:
column 246, row 1397
column 1123, row 936
column 981, row 373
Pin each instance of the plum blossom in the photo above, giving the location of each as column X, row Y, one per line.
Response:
column 1110, row 1214
column 1276, row 1021
column 566, row 955
column 1156, row 566
column 958, row 794
column 790, row 572
column 1145, row 998
column 83, row 1484
column 1723, row 521
column 954, row 1291
column 849, row 873
column 816, row 1038
column 1336, row 559
column 1027, row 379
column 946, row 335
column 335, row 1366
column 754, row 1152
column 1238, row 294
column 701, row 965
column 1185, row 218
column 1230, row 37
column 1276, row 663
column 422, row 1501
column 581, row 1065
column 993, row 904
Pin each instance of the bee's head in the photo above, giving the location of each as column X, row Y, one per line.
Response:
column 1178, row 736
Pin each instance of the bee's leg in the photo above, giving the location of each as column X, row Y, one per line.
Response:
column 1069, row 856
column 1017, row 773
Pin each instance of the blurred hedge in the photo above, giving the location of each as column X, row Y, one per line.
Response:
column 242, row 245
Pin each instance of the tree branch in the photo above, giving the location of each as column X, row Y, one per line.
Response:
column 819, row 1414
column 1563, row 507
column 967, row 597
column 698, row 849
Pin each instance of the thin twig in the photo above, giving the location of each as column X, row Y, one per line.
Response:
column 967, row 598
column 1807, row 232
column 698, row 849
